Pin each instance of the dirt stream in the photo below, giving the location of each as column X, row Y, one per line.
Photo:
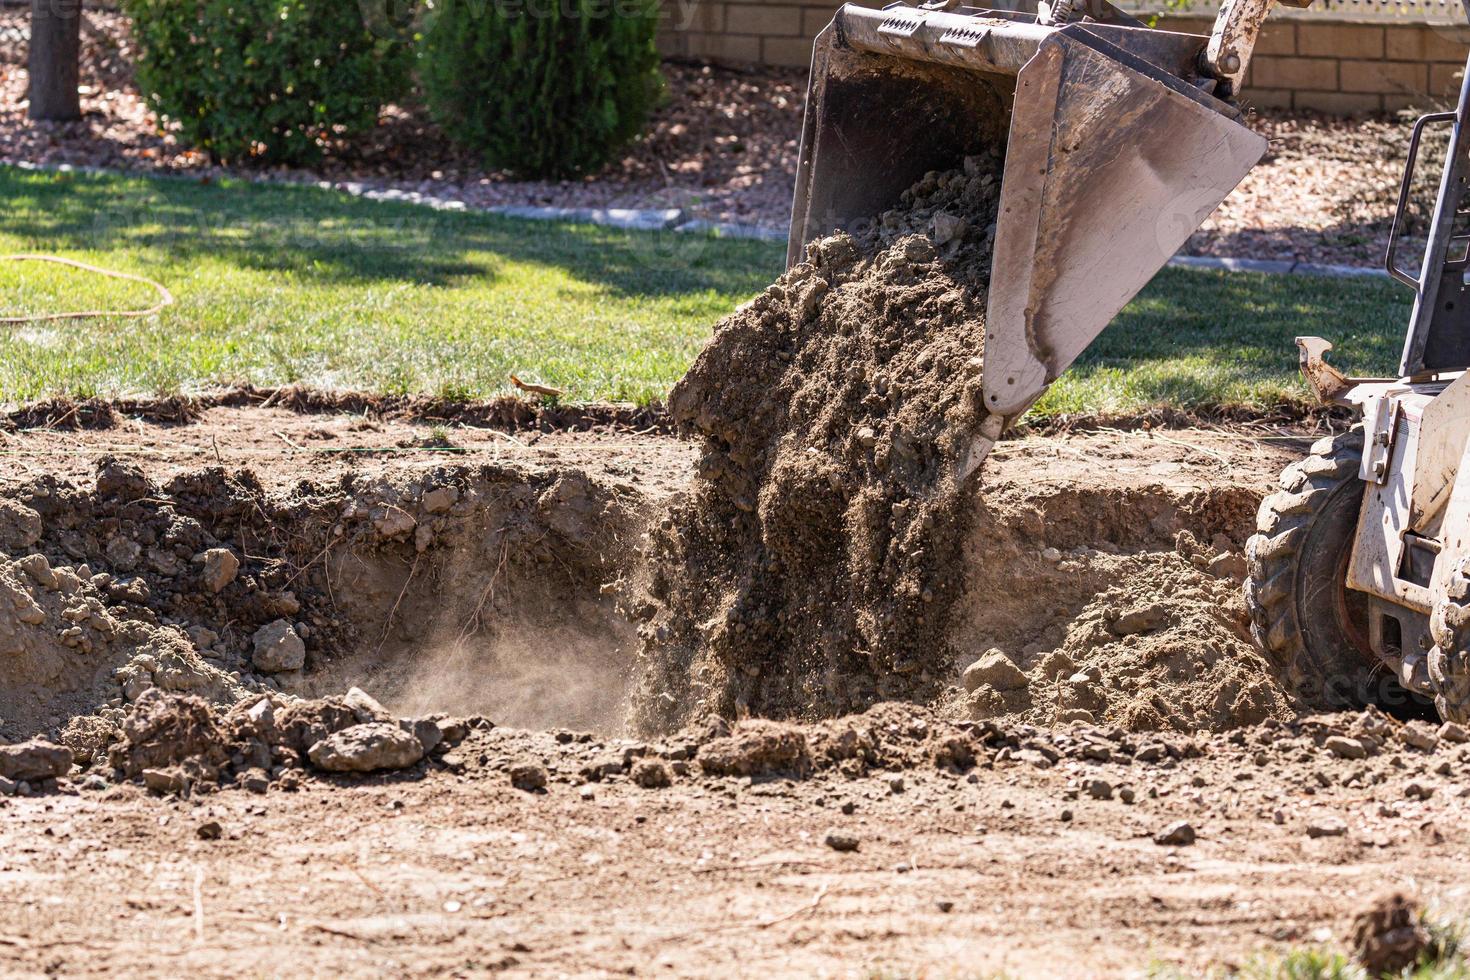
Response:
column 812, row 566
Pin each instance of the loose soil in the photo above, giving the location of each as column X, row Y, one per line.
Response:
column 963, row 826
column 724, row 147
column 811, row 567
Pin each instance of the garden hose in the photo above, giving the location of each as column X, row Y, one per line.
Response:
column 165, row 298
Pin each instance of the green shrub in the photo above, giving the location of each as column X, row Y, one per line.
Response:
column 542, row 88
column 266, row 79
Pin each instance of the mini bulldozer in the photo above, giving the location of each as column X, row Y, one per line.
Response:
column 1118, row 141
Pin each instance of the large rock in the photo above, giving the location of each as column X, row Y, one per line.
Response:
column 278, row 648
column 995, row 669
column 33, row 760
column 366, row 748
column 220, row 568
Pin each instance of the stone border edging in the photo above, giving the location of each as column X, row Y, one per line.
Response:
column 1279, row 267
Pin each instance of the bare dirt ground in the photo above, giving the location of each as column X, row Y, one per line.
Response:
column 724, row 146
column 956, row 838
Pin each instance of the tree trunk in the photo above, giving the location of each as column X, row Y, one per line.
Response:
column 56, row 45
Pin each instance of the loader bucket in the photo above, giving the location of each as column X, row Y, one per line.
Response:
column 1115, row 150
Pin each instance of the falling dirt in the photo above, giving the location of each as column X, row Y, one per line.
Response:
column 810, row 569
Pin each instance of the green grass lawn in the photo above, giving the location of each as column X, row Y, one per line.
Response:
column 279, row 284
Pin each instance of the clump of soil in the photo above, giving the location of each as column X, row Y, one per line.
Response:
column 811, row 568
column 181, row 744
column 1164, row 645
column 1389, row 936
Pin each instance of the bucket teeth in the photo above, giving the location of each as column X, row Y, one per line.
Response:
column 901, row 25
column 964, row 37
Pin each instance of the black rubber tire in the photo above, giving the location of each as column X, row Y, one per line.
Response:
column 1311, row 628
column 1449, row 659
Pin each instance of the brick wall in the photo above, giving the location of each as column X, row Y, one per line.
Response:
column 1331, row 66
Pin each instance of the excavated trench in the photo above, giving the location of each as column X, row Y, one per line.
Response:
column 513, row 592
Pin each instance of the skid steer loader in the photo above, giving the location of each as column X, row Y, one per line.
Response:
column 1359, row 584
column 1118, row 141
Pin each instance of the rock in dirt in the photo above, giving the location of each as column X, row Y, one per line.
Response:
column 529, row 776
column 995, row 669
column 209, row 830
column 20, row 527
column 367, row 748
column 254, row 781
column 1451, row 732
column 365, row 707
column 812, row 567
column 757, row 748
column 1417, row 736
column 1326, row 827
column 440, row 499
column 1144, row 619
column 452, row 731
column 426, row 731
column 277, row 648
column 1389, row 935
column 168, row 781
column 1346, row 748
column 34, row 760
column 841, row 841
column 651, row 774
column 1181, row 834
column 220, row 568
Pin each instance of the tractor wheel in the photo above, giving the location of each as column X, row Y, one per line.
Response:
column 1449, row 659
column 1313, row 629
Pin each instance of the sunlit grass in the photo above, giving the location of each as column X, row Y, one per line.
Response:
column 287, row 284
column 282, row 284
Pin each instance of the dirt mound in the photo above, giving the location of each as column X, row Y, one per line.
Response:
column 1162, row 643
column 810, row 569
column 65, row 650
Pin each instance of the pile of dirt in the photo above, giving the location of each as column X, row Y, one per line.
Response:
column 1163, row 645
column 810, row 569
